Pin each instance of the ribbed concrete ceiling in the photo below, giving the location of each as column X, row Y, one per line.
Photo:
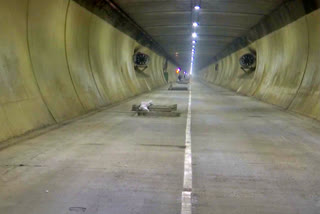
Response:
column 169, row 22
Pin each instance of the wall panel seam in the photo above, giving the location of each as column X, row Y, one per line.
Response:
column 32, row 67
column 89, row 58
column 66, row 53
column 305, row 68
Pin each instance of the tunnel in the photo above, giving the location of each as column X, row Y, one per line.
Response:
column 160, row 107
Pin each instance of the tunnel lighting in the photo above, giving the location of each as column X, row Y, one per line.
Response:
column 178, row 70
column 197, row 7
column 195, row 24
column 194, row 35
column 194, row 42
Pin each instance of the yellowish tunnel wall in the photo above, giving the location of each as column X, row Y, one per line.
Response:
column 59, row 61
column 287, row 72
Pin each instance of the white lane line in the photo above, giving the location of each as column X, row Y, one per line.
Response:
column 186, row 206
column 186, row 196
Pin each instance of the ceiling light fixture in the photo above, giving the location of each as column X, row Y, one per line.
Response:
column 195, row 24
column 197, row 7
column 194, row 35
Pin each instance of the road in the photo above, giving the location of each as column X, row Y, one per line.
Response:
column 247, row 157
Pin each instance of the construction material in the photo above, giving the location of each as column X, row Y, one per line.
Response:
column 183, row 82
column 144, row 106
column 156, row 110
column 160, row 108
column 178, row 88
column 159, row 114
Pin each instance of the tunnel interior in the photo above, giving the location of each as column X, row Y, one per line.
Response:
column 159, row 106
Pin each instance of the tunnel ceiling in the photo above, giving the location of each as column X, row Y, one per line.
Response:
column 169, row 22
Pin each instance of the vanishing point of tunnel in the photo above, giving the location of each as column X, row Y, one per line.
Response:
column 160, row 107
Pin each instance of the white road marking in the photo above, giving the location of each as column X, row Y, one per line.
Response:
column 186, row 197
column 186, row 205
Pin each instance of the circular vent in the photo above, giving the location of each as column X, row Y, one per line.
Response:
column 248, row 62
column 141, row 62
column 140, row 59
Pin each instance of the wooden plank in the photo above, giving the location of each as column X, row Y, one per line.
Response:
column 160, row 108
column 158, row 114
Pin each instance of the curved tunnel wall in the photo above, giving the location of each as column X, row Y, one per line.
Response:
column 59, row 61
column 287, row 72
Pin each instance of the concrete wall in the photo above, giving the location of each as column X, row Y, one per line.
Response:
column 59, row 61
column 287, row 72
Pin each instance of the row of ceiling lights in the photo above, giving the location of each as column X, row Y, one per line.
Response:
column 194, row 35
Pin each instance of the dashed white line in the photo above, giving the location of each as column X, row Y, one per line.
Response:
column 186, row 196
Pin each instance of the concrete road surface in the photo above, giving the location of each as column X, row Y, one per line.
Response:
column 248, row 158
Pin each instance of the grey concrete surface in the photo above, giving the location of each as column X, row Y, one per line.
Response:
column 111, row 162
column 251, row 157
column 248, row 157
